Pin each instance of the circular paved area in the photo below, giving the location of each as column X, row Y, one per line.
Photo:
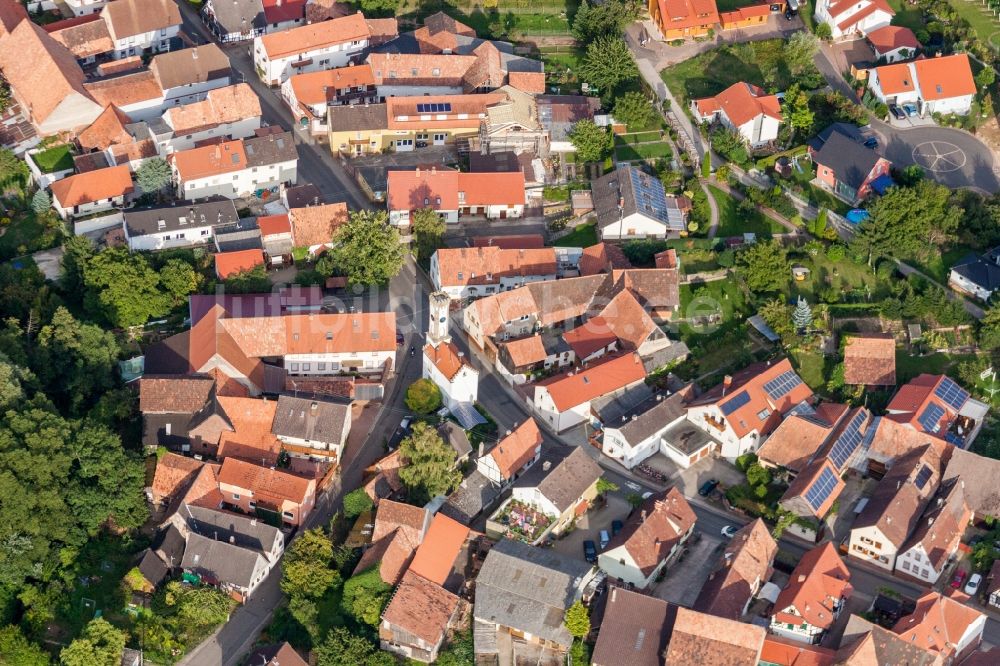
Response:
column 939, row 156
column 951, row 157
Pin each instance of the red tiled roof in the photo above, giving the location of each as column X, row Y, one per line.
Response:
column 173, row 395
column 937, row 623
column 568, row 390
column 273, row 225
column 650, row 535
column 93, row 186
column 228, row 264
column 310, row 37
column 857, row 17
column 820, row 580
column 747, row 560
column 870, row 360
column 279, row 11
column 587, row 338
column 912, row 399
column 173, row 474
column 892, row 37
column 526, row 351
column 895, row 79
column 450, row 190
column 461, row 266
column 12, row 12
column 603, row 258
column 788, row 652
column 316, row 225
column 680, row 14
column 742, row 102
column 700, row 638
column 515, row 450
column 317, row 88
column 945, row 77
column 446, row 358
column 516, row 242
column 794, row 442
column 436, row 555
column 421, row 608
column 268, row 483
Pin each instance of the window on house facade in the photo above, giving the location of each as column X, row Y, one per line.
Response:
column 306, row 366
column 295, row 367
column 236, row 497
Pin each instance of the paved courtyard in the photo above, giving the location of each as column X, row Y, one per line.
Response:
column 686, row 576
column 590, row 525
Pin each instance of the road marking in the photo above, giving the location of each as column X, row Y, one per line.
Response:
column 939, row 156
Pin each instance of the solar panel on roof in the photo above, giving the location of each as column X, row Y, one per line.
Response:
column 434, row 107
column 930, row 420
column 735, row 403
column 821, row 488
column 923, row 476
column 782, row 384
column 848, row 442
column 951, row 393
column 651, row 198
column 954, row 438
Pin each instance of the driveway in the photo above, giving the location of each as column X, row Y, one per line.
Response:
column 589, row 526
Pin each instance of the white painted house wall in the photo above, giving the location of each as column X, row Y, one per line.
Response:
column 914, row 562
column 331, row 364
column 462, row 388
column 241, row 129
column 154, row 40
column 275, row 71
column 235, row 184
column 882, row 552
column 732, row 446
column 192, row 237
column 87, row 208
column 635, row 225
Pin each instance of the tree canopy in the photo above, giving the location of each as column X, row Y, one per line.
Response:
column 634, row 110
column 16, row 650
column 592, row 143
column 423, row 396
column 366, row 596
column 343, row 648
column 428, row 231
column 764, row 266
column 357, row 502
column 600, row 19
column 123, row 289
column 577, row 619
column 153, row 175
column 100, row 644
column 367, row 249
column 607, row 63
column 430, row 464
column 77, row 360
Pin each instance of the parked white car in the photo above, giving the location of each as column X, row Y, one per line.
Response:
column 973, row 585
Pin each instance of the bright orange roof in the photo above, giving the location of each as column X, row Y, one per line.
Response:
column 488, row 189
column 895, row 79
column 441, row 545
column 315, row 36
column 786, row 652
column 93, row 186
column 742, row 102
column 529, row 82
column 892, row 37
column 403, row 112
column 587, row 338
column 228, row 264
column 857, row 17
column 272, row 225
column 459, row 266
column 443, row 189
column 679, row 14
column 312, row 87
column 525, row 351
column 516, row 449
column 571, row 389
column 209, row 161
column 446, row 358
column 945, row 77
column 818, row 582
column 269, row 483
column 258, row 337
column 938, row 623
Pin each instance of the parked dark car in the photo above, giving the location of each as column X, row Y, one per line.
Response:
column 871, row 142
column 707, row 487
column 616, row 527
column 896, row 112
column 590, row 551
column 400, row 339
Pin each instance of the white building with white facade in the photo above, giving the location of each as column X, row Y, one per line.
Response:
column 138, row 26
column 234, row 169
column 934, row 85
column 310, row 48
column 470, row 272
column 853, row 18
column 513, row 455
column 91, row 192
column 744, row 109
column 186, row 75
column 183, row 224
column 232, row 112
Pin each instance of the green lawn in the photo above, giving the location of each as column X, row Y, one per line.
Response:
column 908, row 367
column 909, row 16
column 817, row 195
column 716, row 70
column 851, row 282
column 584, row 235
column 54, row 159
column 811, row 367
column 733, row 223
column 938, row 266
column 722, row 297
column 630, row 152
column 978, row 17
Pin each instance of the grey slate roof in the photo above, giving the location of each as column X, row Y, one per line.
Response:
column 270, row 149
column 300, row 196
column 220, row 561
column 529, row 589
column 565, row 480
column 657, row 415
column 849, row 160
column 153, row 568
column 351, row 117
column 179, row 216
column 310, row 419
column 616, row 409
column 474, row 494
column 453, row 434
column 638, row 192
column 243, row 235
column 239, row 15
column 169, row 545
column 240, row 531
column 981, row 271
column 849, row 130
column 198, row 64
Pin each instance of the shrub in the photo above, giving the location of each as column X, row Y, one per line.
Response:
column 357, row 502
column 423, row 396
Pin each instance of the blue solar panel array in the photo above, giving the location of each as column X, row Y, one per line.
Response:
column 735, row 403
column 930, row 420
column 923, row 476
column 782, row 384
column 951, row 394
column 848, row 442
column 651, row 199
column 821, row 488
column 441, row 107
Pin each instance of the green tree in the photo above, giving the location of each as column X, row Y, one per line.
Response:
column 428, row 230
column 778, row 315
column 41, row 202
column 785, row 518
column 367, row 248
column 764, row 266
column 123, row 288
column 592, row 143
column 989, row 328
column 357, row 502
column 306, row 570
column 423, row 396
column 600, row 19
column 100, row 644
column 758, row 475
column 820, row 227
column 14, row 174
column 908, row 222
column 607, row 63
column 706, row 164
column 179, row 279
column 251, row 281
column 634, row 500
column 797, row 112
column 604, row 486
column 198, row 606
column 824, row 31
column 343, row 648
column 910, row 175
column 803, row 316
column 430, row 464
column 14, row 379
column 634, row 110
column 76, row 360
column 460, row 652
column 986, row 77
column 799, row 53
column 17, row 650
column 153, row 175
column 365, row 596
column 577, row 619
column 77, row 253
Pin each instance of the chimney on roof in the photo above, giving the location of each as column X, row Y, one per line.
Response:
column 930, row 521
column 614, row 594
column 313, row 408
column 642, row 516
column 481, row 448
column 418, row 170
column 434, row 170
column 232, row 539
column 194, row 53
column 547, row 465
column 802, row 578
column 508, row 433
